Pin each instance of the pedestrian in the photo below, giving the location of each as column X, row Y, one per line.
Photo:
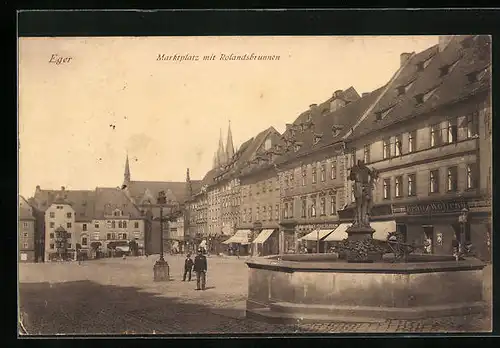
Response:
column 200, row 267
column 188, row 266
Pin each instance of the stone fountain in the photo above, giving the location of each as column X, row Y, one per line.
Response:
column 369, row 284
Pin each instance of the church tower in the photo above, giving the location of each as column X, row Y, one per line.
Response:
column 126, row 174
column 229, row 144
column 221, row 154
column 189, row 187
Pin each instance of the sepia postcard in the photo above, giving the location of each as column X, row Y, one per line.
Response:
column 254, row 184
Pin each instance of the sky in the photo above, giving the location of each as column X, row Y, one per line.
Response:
column 77, row 120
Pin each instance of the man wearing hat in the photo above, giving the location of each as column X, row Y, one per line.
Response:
column 200, row 267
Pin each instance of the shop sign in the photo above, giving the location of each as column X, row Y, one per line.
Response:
column 319, row 226
column 436, row 207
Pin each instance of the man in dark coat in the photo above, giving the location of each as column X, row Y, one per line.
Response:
column 200, row 267
column 188, row 266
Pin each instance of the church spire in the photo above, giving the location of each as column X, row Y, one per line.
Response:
column 221, row 154
column 189, row 187
column 126, row 174
column 229, row 144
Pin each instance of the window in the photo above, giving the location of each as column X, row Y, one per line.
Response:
column 333, row 173
column 68, row 215
column 113, row 224
column 471, row 124
column 366, row 155
column 291, row 210
column 25, row 245
column 267, row 144
column 435, row 135
column 96, row 225
column 52, row 224
column 304, row 207
column 84, row 227
column 68, row 224
column 69, row 245
column 84, row 241
column 124, row 224
column 471, row 176
column 304, row 176
column 333, row 205
column 398, row 145
column 52, row 214
column 451, row 183
column 116, row 213
column 412, row 189
column 120, row 224
column 313, row 207
column 399, row 186
column 264, row 213
column 323, row 172
column 125, row 235
column 277, row 211
column 285, row 211
column 25, row 234
column 108, row 236
column 434, row 181
column 314, row 177
column 250, row 215
column 257, row 213
column 68, row 235
column 322, row 206
column 451, row 131
column 387, row 148
column 136, row 224
column 387, row 188
column 51, row 235
column 412, row 141
column 270, row 212
column 52, row 246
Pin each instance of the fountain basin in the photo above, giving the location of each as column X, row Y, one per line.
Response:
column 321, row 287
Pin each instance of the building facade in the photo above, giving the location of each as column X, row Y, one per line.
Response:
column 429, row 138
column 27, row 238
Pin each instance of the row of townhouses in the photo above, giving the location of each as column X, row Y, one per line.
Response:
column 427, row 132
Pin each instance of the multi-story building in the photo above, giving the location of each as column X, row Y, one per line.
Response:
column 429, row 138
column 27, row 239
column 87, row 220
column 311, row 170
column 260, row 196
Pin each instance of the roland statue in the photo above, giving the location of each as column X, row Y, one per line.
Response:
column 364, row 182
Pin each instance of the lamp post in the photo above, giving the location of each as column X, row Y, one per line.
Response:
column 462, row 219
column 161, row 268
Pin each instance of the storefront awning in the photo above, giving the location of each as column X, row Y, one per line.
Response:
column 317, row 235
column 240, row 237
column 263, row 236
column 338, row 234
column 383, row 228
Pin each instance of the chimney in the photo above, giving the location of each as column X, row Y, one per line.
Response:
column 288, row 126
column 38, row 189
column 404, row 57
column 337, row 93
column 313, row 106
column 365, row 94
column 62, row 188
column 443, row 41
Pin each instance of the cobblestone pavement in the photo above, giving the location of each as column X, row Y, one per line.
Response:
column 118, row 296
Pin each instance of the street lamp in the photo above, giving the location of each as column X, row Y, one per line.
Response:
column 161, row 269
column 462, row 219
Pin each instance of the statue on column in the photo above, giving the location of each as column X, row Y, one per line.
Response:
column 364, row 182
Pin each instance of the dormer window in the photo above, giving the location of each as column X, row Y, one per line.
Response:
column 317, row 138
column 476, row 76
column 402, row 90
column 297, row 147
column 117, row 213
column 336, row 130
column 446, row 69
column 424, row 64
column 423, row 97
column 381, row 114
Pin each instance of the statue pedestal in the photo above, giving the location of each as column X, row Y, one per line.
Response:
column 361, row 247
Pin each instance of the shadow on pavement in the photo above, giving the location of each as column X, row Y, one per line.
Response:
column 86, row 307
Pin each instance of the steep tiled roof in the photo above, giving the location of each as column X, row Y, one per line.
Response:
column 465, row 54
column 109, row 199
column 82, row 201
column 138, row 188
column 25, row 209
column 344, row 118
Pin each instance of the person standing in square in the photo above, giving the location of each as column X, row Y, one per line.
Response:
column 188, row 266
column 200, row 267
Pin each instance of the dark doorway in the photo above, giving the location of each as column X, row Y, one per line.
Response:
column 401, row 229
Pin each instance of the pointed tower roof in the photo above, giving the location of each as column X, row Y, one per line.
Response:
column 229, row 143
column 215, row 164
column 221, row 154
column 189, row 187
column 126, row 174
